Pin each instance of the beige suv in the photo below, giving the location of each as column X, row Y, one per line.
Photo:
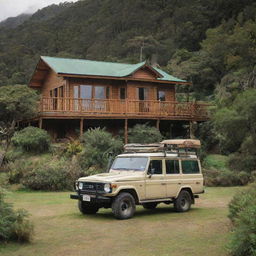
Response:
column 168, row 172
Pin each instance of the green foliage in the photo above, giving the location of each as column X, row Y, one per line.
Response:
column 217, row 173
column 97, row 145
column 143, row 133
column 32, row 139
column 235, row 129
column 73, row 148
column 17, row 103
column 96, row 30
column 242, row 212
column 54, row 175
column 14, row 225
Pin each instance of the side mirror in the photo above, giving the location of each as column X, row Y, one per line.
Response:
column 151, row 171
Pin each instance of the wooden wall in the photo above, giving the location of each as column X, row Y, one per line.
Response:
column 52, row 81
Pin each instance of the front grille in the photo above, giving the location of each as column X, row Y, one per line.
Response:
column 93, row 186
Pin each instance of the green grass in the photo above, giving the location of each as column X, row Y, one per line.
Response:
column 215, row 161
column 61, row 230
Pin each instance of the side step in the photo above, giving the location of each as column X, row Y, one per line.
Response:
column 156, row 200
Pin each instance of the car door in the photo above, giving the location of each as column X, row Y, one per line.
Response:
column 173, row 177
column 155, row 183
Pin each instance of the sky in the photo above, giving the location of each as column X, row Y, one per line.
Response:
column 12, row 8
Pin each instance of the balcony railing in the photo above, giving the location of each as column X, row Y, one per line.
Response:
column 108, row 107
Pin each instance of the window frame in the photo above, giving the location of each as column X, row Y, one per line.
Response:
column 156, row 159
column 194, row 160
column 179, row 164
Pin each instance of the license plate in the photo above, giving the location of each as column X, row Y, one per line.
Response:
column 86, row 198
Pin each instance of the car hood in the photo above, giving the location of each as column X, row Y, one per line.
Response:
column 114, row 176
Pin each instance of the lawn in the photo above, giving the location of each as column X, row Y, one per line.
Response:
column 61, row 230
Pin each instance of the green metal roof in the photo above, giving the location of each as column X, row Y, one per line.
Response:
column 100, row 68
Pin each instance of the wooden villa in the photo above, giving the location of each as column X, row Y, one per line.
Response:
column 78, row 94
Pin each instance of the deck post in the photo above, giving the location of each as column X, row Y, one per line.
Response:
column 125, row 131
column 40, row 123
column 192, row 127
column 158, row 124
column 81, row 126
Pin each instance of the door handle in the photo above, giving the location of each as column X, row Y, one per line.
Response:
column 163, row 183
column 198, row 183
column 179, row 183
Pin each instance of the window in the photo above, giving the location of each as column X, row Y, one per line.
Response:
column 190, row 167
column 122, row 93
column 99, row 92
column 161, row 95
column 142, row 93
column 130, row 163
column 85, row 91
column 156, row 166
column 172, row 167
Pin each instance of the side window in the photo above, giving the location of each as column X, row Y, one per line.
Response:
column 156, row 166
column 172, row 167
column 190, row 167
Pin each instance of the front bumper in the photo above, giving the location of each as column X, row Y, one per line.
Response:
column 96, row 199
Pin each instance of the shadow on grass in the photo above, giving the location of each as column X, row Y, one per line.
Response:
column 107, row 214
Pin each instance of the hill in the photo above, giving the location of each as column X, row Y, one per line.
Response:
column 111, row 30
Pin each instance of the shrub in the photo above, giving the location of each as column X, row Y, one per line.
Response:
column 18, row 169
column 32, row 139
column 73, row 148
column 143, row 133
column 14, row 225
column 97, row 145
column 55, row 175
column 242, row 210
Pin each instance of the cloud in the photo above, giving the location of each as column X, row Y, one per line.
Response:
column 12, row 8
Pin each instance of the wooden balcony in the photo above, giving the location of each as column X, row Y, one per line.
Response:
column 115, row 108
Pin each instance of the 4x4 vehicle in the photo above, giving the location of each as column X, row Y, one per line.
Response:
column 168, row 172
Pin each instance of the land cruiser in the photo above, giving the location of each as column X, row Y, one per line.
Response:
column 147, row 175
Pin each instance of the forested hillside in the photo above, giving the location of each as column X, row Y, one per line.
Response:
column 194, row 39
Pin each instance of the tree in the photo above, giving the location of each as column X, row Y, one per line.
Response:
column 143, row 133
column 16, row 103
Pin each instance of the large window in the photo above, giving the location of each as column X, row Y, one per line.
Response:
column 85, row 91
column 91, row 92
column 130, row 163
column 172, row 167
column 189, row 167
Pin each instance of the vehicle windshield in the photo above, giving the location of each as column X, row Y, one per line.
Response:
column 130, row 163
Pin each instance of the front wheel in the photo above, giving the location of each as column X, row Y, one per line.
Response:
column 123, row 206
column 87, row 208
column 183, row 201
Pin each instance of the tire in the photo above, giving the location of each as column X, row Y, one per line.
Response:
column 87, row 208
column 183, row 202
column 123, row 206
column 149, row 206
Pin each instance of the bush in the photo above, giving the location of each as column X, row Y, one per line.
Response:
column 55, row 175
column 242, row 210
column 32, row 139
column 143, row 133
column 14, row 225
column 97, row 145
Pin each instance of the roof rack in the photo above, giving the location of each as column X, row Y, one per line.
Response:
column 182, row 147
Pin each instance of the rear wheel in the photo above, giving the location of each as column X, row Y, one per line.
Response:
column 183, row 201
column 87, row 208
column 149, row 206
column 123, row 206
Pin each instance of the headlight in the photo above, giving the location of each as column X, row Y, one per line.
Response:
column 107, row 188
column 80, row 185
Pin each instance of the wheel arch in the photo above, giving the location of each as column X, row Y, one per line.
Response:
column 189, row 189
column 131, row 191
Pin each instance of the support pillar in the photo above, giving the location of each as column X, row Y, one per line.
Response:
column 81, row 126
column 40, row 123
column 192, row 128
column 158, row 124
column 125, row 131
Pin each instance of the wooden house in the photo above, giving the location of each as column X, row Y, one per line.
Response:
column 77, row 94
